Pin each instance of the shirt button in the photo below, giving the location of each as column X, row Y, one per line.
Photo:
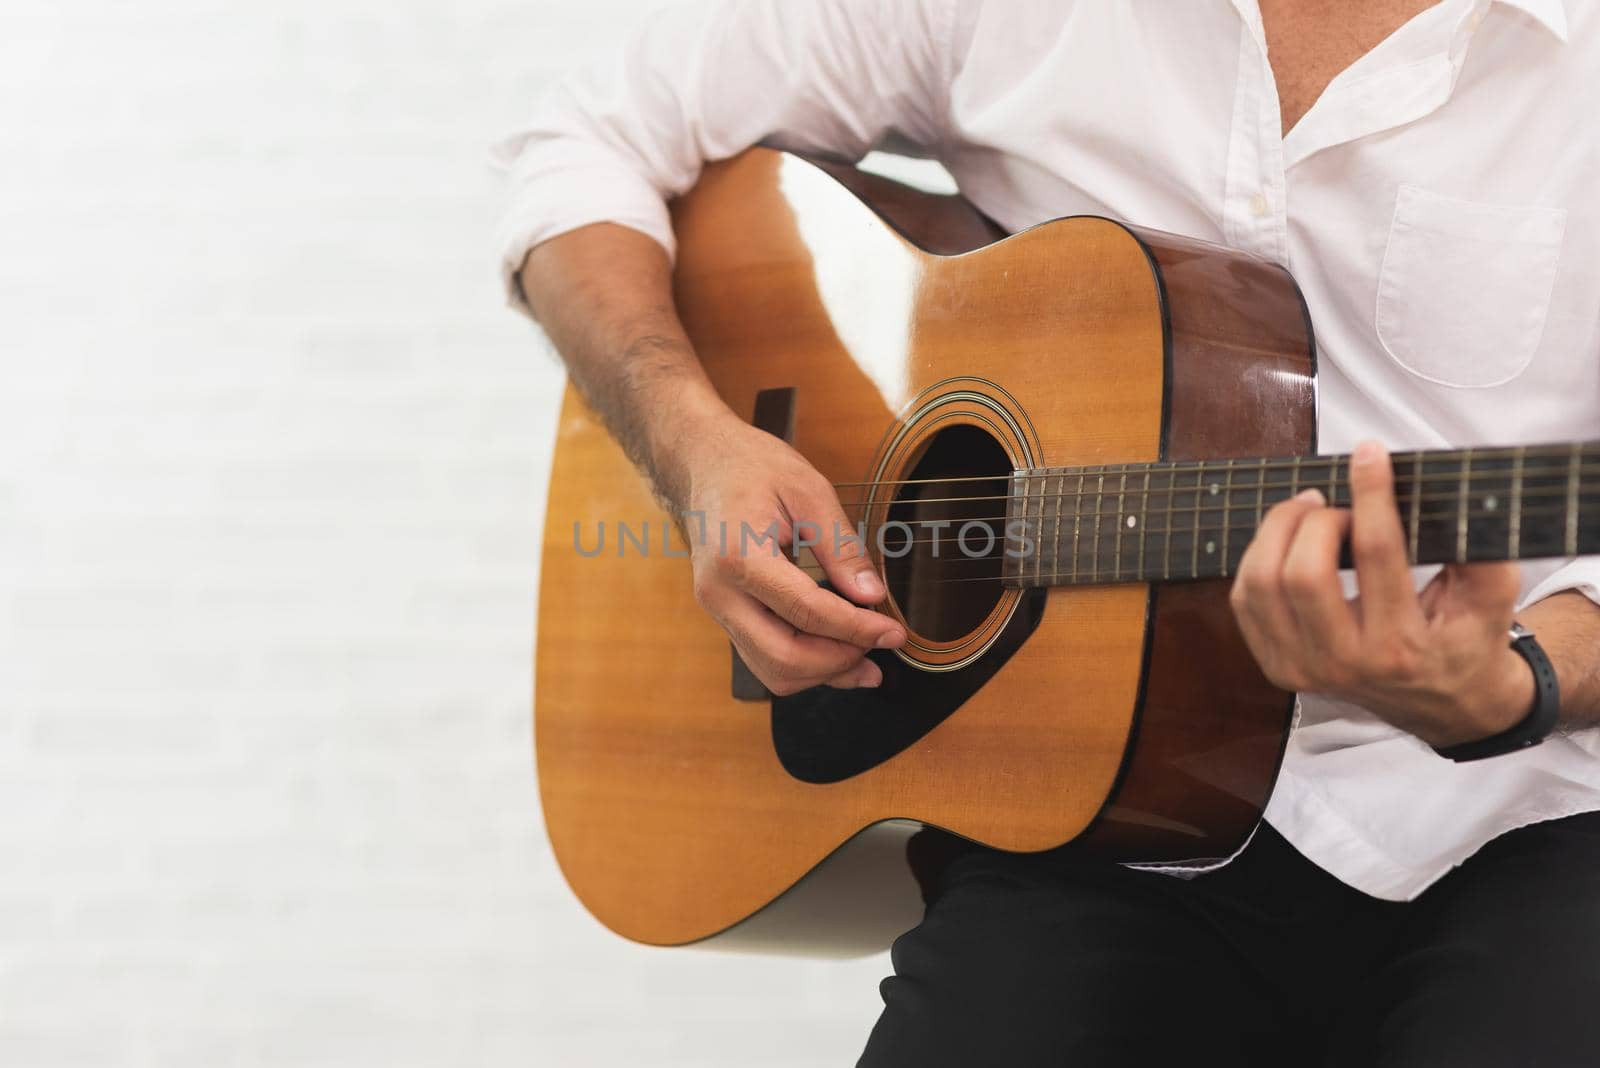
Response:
column 1475, row 21
column 1259, row 206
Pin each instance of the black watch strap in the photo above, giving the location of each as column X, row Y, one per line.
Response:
column 1540, row 720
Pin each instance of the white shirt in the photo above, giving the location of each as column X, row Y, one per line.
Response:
column 1439, row 205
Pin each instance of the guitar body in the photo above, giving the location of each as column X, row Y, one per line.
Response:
column 1126, row 718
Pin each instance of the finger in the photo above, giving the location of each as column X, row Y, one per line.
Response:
column 835, row 543
column 1324, row 620
column 810, row 609
column 785, row 660
column 864, row 676
column 1378, row 543
column 1271, row 542
column 1258, row 599
column 1258, row 583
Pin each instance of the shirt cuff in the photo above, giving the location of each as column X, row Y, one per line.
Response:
column 561, row 188
column 1582, row 575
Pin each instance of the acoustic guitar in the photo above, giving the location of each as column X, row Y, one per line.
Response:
column 1089, row 419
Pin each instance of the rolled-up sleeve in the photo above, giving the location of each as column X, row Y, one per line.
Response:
column 1581, row 574
column 705, row 81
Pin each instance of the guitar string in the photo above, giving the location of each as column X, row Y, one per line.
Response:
column 1309, row 477
column 1119, row 577
column 1116, row 573
column 1531, row 452
column 1190, row 534
column 1228, row 510
column 1220, row 489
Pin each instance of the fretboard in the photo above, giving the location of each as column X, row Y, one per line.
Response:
column 1193, row 519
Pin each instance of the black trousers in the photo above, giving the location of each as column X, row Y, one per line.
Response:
column 1051, row 960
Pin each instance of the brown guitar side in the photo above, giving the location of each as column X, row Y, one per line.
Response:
column 1211, row 728
column 1133, row 721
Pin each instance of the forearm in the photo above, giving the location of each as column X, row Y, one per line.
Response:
column 1568, row 627
column 603, row 294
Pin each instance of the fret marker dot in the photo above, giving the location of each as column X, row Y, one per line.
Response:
column 1211, row 546
column 1132, row 522
column 1215, row 489
column 1490, row 503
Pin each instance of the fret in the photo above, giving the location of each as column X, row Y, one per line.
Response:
column 1184, row 522
column 1144, row 523
column 1031, row 524
column 1028, row 525
column 1488, row 507
column 1338, row 494
column 1436, row 519
column 1244, row 501
column 1463, row 494
column 1227, row 513
column 1029, row 544
column 1585, row 519
column 1514, row 537
column 1055, row 552
column 1163, row 473
column 1278, row 483
column 1546, row 489
column 1261, row 491
column 1172, row 507
column 1214, row 508
column 1114, row 518
column 1338, row 489
column 1107, row 516
column 1294, row 481
column 1117, row 521
column 1415, row 512
column 1574, row 463
column 1038, row 539
column 1099, row 506
column 1194, row 549
column 1011, row 558
column 1077, row 523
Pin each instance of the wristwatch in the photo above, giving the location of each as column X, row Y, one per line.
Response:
column 1540, row 720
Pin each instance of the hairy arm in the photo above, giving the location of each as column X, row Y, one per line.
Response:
column 1568, row 627
column 587, row 244
column 604, row 295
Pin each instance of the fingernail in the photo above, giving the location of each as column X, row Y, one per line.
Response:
column 870, row 676
column 892, row 639
column 869, row 584
column 1311, row 496
column 1367, row 452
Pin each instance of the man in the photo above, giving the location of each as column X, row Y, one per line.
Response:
column 1428, row 172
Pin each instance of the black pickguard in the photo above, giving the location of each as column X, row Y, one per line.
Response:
column 823, row 735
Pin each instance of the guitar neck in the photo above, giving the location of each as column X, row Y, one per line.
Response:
column 1186, row 520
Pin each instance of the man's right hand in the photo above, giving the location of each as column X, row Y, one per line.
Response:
column 604, row 295
column 792, row 633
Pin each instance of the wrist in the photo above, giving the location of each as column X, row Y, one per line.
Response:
column 686, row 419
column 1499, row 699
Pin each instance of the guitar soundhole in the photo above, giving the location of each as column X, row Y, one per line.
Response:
column 943, row 545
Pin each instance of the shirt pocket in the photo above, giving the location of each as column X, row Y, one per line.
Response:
column 1465, row 287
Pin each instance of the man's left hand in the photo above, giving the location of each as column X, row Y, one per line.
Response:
column 1437, row 664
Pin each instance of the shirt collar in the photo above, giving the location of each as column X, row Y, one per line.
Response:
column 1552, row 14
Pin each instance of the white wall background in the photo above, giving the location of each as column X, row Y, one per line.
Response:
column 272, row 464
